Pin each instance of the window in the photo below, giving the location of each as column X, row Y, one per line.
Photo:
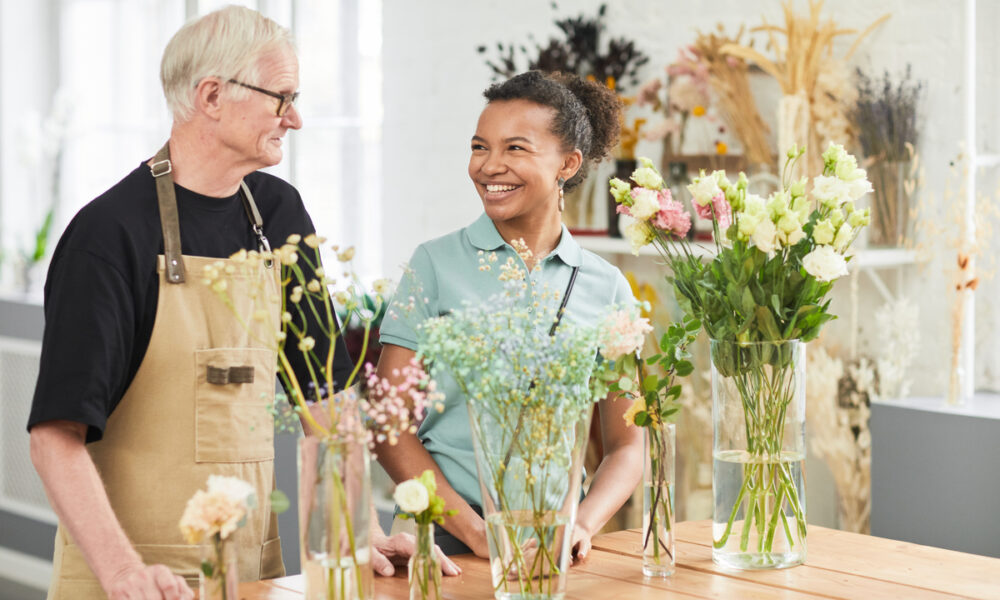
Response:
column 81, row 105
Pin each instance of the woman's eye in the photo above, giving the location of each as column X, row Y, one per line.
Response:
column 476, row 147
column 514, row 147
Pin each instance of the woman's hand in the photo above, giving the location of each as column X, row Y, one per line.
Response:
column 580, row 543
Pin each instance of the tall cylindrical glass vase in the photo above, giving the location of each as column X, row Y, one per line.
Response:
column 335, row 519
column 530, row 462
column 758, row 409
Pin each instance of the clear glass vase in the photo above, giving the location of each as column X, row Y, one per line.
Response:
column 424, row 566
column 758, row 409
column 530, row 461
column 219, row 577
column 658, row 501
column 890, row 225
column 335, row 519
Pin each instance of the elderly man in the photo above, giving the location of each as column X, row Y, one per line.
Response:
column 124, row 424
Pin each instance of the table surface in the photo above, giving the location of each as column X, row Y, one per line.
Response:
column 839, row 565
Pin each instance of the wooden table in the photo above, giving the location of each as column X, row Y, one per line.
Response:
column 839, row 565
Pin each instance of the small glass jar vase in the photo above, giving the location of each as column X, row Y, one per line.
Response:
column 425, row 566
column 219, row 577
column 658, row 501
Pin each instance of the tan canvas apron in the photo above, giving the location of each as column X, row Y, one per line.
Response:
column 176, row 425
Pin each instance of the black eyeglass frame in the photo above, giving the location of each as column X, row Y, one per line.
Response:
column 285, row 101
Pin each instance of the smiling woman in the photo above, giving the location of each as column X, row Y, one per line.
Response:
column 534, row 139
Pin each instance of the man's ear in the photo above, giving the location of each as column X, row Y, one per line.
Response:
column 208, row 97
column 571, row 164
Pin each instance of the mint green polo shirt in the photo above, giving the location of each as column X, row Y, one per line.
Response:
column 443, row 275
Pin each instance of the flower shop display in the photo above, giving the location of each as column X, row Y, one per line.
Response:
column 885, row 117
column 214, row 515
column 815, row 83
column 655, row 404
column 418, row 500
column 334, row 458
column 531, row 379
column 583, row 48
column 760, row 298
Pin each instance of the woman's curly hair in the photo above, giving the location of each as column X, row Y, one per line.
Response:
column 588, row 115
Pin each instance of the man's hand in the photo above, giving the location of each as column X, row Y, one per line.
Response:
column 397, row 550
column 153, row 582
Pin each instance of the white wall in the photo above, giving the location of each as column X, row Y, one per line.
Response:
column 434, row 79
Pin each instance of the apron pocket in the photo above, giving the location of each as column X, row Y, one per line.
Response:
column 271, row 564
column 233, row 394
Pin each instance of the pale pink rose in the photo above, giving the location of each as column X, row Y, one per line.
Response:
column 723, row 212
column 672, row 217
column 623, row 333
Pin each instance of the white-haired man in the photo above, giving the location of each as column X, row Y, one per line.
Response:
column 125, row 423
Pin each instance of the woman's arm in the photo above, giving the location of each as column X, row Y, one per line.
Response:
column 408, row 458
column 616, row 477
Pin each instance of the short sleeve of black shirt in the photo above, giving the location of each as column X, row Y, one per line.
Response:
column 102, row 287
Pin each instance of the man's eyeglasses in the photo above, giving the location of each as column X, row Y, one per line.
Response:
column 285, row 101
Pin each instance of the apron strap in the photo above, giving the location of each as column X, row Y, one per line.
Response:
column 170, row 221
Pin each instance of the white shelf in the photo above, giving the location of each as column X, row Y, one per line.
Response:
column 987, row 160
column 875, row 258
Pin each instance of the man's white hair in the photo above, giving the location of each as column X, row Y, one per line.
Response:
column 228, row 44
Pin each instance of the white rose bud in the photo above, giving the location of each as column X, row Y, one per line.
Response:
column 825, row 264
column 845, row 235
column 764, row 236
column 411, row 496
column 824, row 232
column 646, row 203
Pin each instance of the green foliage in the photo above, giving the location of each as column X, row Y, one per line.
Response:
column 42, row 237
column 661, row 394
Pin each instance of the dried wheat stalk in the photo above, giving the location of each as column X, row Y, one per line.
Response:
column 806, row 68
column 728, row 76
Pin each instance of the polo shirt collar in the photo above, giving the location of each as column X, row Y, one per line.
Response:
column 483, row 235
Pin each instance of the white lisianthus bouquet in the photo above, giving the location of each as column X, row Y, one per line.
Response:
column 777, row 257
column 776, row 260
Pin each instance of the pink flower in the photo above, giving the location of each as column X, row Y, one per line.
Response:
column 672, row 217
column 623, row 333
column 723, row 212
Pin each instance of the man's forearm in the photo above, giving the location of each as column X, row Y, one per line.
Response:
column 77, row 496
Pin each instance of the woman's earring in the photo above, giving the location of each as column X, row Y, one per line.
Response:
column 562, row 198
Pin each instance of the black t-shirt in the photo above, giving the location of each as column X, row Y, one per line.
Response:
column 102, row 287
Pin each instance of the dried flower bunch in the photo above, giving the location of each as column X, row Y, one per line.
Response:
column 838, row 401
column 815, row 82
column 728, row 76
column 581, row 50
column 885, row 115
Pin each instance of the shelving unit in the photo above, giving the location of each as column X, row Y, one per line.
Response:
column 869, row 261
column 873, row 258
